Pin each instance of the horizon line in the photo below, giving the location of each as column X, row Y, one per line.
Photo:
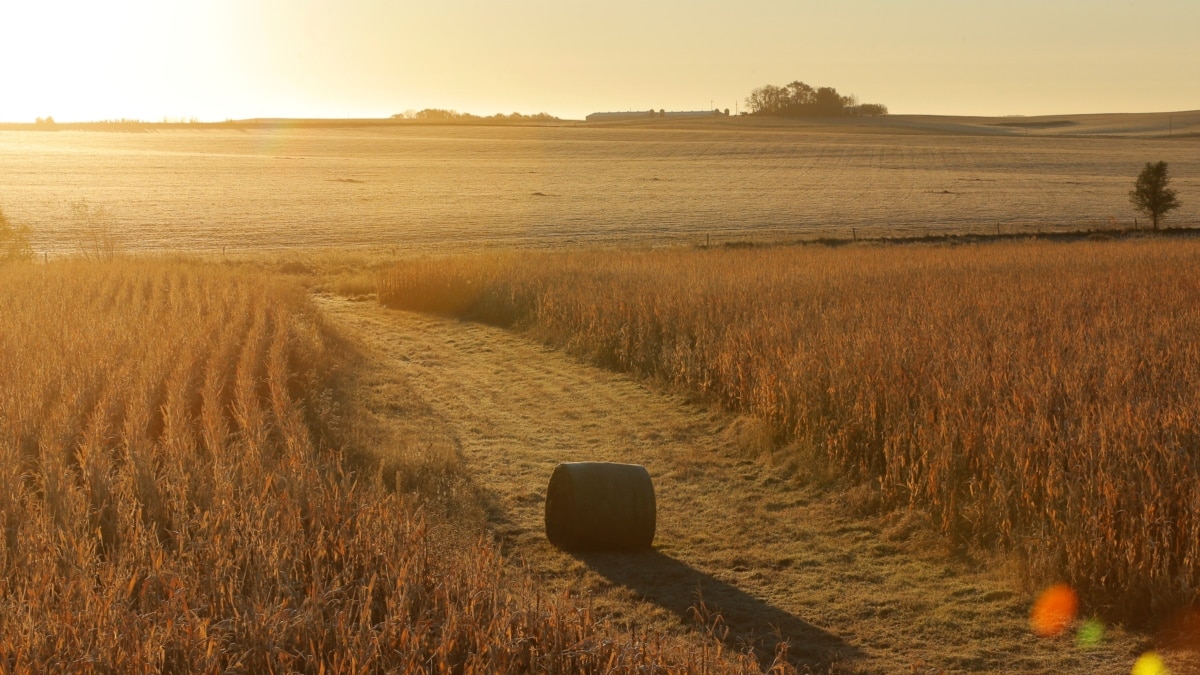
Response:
column 500, row 117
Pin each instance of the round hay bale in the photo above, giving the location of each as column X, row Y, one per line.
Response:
column 599, row 505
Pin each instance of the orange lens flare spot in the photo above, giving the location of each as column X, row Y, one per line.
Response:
column 1054, row 610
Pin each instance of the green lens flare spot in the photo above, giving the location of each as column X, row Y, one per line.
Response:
column 1091, row 634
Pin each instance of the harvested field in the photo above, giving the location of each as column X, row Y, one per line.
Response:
column 423, row 188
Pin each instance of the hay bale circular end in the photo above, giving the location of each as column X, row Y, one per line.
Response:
column 600, row 506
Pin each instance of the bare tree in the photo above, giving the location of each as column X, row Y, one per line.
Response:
column 1150, row 193
column 94, row 233
column 14, row 241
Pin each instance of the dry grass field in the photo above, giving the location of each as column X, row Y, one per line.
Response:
column 452, row 187
column 181, row 491
column 1036, row 399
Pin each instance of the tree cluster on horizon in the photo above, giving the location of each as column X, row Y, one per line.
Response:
column 798, row 99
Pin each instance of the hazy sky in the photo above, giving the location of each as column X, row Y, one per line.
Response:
column 218, row 59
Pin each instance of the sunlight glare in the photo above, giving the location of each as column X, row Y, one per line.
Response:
column 82, row 61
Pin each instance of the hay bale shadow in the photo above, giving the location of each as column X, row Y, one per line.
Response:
column 695, row 595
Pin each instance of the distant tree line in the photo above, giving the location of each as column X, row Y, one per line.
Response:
column 800, row 100
column 439, row 115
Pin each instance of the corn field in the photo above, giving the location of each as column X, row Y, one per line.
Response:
column 1037, row 399
column 173, row 499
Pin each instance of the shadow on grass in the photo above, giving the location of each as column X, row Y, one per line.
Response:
column 696, row 596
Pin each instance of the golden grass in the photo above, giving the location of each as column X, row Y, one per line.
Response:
column 1035, row 398
column 173, row 499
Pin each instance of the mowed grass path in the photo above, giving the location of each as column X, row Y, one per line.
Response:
column 737, row 537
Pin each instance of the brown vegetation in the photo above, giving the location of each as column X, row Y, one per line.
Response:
column 173, row 498
column 1033, row 398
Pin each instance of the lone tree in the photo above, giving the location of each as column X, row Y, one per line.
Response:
column 1150, row 194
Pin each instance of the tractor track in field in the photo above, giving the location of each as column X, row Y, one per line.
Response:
column 774, row 557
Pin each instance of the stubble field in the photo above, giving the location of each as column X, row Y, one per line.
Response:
column 447, row 188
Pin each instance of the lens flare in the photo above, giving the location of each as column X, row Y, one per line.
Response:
column 1090, row 634
column 1054, row 610
column 1150, row 663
